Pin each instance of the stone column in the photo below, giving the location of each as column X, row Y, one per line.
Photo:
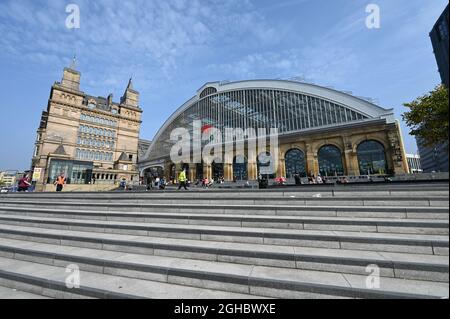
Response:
column 252, row 167
column 192, row 172
column 398, row 151
column 228, row 167
column 167, row 171
column 281, row 169
column 207, row 171
column 350, row 157
column 228, row 172
column 312, row 165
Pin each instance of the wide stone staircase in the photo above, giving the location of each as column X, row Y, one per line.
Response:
column 305, row 242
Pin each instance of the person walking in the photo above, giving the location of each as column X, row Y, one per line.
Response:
column 149, row 183
column 182, row 179
column 123, row 184
column 60, row 182
column 162, row 183
column 24, row 184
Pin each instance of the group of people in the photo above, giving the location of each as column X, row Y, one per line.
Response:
column 209, row 182
column 156, row 182
column 317, row 179
column 312, row 179
column 24, row 183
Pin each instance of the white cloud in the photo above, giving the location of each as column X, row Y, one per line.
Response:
column 122, row 34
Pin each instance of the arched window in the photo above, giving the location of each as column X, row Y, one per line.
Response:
column 330, row 161
column 266, row 166
column 240, row 171
column 371, row 158
column 217, row 170
column 295, row 163
column 199, row 170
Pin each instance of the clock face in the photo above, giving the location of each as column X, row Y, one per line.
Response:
column 114, row 111
column 91, row 106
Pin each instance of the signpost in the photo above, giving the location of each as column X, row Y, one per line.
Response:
column 37, row 174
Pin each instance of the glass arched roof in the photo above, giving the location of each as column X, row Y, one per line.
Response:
column 289, row 106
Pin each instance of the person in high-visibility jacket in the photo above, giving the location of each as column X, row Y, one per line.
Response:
column 182, row 179
column 60, row 181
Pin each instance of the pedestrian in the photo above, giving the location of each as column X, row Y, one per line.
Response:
column 123, row 184
column 162, row 183
column 297, row 179
column 149, row 183
column 24, row 184
column 319, row 179
column 60, row 182
column 182, row 179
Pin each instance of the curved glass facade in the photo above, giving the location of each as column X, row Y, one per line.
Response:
column 330, row 161
column 295, row 163
column 256, row 108
column 371, row 158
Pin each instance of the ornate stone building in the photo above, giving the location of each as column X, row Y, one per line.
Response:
column 92, row 140
column 321, row 131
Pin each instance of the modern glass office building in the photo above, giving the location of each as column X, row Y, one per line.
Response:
column 435, row 159
column 321, row 131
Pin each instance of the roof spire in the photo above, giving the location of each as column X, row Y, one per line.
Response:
column 73, row 65
column 130, row 83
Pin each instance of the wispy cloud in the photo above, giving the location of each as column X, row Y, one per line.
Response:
column 157, row 35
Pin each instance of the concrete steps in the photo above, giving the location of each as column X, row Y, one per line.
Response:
column 235, row 279
column 50, row 281
column 12, row 293
column 405, row 201
column 395, row 265
column 306, row 242
column 267, row 210
column 357, row 190
column 408, row 243
column 359, row 224
column 433, row 244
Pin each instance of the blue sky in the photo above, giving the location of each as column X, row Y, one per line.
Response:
column 171, row 48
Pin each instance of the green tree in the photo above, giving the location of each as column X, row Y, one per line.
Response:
column 428, row 117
